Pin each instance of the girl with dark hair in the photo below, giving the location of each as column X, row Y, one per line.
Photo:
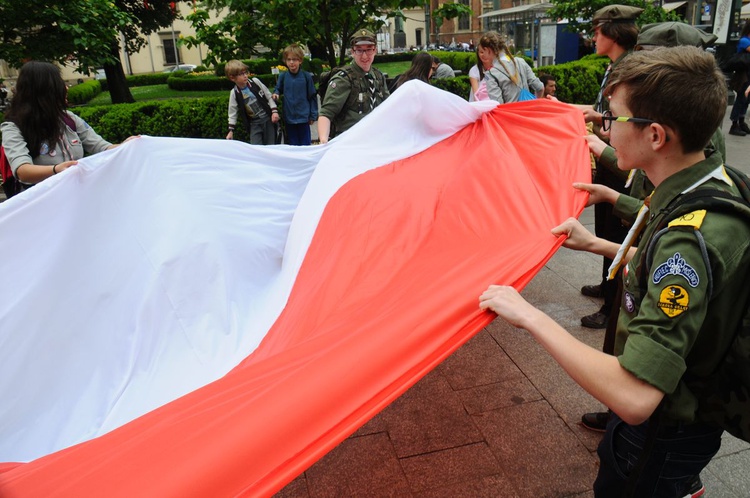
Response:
column 40, row 137
column 421, row 69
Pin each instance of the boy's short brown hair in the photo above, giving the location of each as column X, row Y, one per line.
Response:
column 293, row 50
column 234, row 68
column 679, row 87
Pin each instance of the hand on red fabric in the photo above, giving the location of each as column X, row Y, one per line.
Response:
column 578, row 237
column 508, row 304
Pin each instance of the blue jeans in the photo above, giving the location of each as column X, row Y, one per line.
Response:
column 739, row 109
column 678, row 455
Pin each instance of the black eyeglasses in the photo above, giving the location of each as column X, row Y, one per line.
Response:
column 607, row 119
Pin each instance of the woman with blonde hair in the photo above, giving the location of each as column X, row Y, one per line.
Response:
column 510, row 79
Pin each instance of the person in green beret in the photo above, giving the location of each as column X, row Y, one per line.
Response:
column 354, row 91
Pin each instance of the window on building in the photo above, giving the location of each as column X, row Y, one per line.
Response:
column 464, row 22
column 172, row 56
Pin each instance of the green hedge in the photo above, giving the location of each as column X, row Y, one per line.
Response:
column 83, row 92
column 194, row 118
column 578, row 82
column 142, row 80
column 263, row 66
column 459, row 85
column 209, row 82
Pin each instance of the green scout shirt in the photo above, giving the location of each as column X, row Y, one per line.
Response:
column 675, row 331
column 343, row 111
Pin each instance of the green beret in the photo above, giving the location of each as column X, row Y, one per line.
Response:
column 616, row 13
column 674, row 34
column 363, row 37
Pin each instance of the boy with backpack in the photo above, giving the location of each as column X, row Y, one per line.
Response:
column 300, row 99
column 252, row 101
column 676, row 381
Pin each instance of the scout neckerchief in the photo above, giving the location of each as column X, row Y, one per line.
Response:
column 630, row 238
column 371, row 84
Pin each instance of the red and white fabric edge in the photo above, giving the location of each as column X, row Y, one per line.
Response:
column 182, row 253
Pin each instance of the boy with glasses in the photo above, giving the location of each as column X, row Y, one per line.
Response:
column 252, row 101
column 354, row 91
column 679, row 313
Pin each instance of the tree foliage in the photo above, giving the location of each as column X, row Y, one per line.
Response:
column 85, row 33
column 580, row 12
column 324, row 25
column 450, row 10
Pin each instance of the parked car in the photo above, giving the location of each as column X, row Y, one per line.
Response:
column 181, row 67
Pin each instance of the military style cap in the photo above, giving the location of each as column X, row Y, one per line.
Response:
column 363, row 37
column 674, row 34
column 616, row 13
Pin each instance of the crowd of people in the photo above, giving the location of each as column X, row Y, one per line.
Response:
column 656, row 135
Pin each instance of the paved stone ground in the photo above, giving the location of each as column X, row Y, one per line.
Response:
column 500, row 417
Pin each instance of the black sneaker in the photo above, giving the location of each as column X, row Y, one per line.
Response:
column 744, row 127
column 596, row 320
column 736, row 130
column 592, row 290
column 595, row 421
column 695, row 488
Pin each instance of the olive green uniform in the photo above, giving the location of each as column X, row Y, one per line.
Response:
column 676, row 332
column 350, row 96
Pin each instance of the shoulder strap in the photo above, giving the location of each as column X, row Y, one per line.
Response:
column 69, row 121
column 259, row 94
column 521, row 75
column 709, row 199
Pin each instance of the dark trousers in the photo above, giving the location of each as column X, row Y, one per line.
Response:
column 678, row 455
column 298, row 134
column 609, row 227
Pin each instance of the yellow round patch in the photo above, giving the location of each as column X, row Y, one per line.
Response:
column 673, row 300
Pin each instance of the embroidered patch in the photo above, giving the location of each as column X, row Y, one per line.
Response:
column 332, row 84
column 676, row 265
column 673, row 300
column 628, row 301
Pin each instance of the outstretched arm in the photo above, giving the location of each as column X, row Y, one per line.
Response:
column 600, row 374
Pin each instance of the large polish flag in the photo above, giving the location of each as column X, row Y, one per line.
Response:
column 184, row 317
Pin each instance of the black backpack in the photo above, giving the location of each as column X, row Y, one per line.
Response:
column 724, row 395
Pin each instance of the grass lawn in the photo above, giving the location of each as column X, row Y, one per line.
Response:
column 393, row 69
column 157, row 92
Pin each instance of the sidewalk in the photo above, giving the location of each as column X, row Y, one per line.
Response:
column 500, row 417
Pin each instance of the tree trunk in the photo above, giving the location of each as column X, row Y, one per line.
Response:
column 118, row 87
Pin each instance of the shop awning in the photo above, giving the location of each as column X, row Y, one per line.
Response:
column 670, row 6
column 514, row 12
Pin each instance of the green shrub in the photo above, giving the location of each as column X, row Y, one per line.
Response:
column 83, row 92
column 459, row 85
column 194, row 118
column 578, row 82
column 209, row 82
column 141, row 80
